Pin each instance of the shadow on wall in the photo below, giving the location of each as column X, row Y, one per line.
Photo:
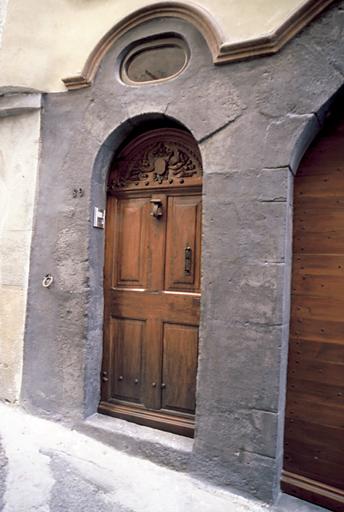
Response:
column 331, row 109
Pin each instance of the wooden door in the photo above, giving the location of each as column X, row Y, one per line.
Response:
column 314, row 425
column 152, row 282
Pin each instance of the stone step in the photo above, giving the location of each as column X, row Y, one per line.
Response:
column 163, row 448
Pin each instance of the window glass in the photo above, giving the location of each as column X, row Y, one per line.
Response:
column 157, row 60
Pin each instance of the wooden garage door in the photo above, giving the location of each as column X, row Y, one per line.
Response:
column 314, row 428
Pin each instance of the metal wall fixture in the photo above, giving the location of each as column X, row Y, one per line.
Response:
column 98, row 218
column 47, row 281
column 155, row 60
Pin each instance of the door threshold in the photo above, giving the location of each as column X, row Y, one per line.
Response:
column 161, row 419
column 162, row 448
column 287, row 503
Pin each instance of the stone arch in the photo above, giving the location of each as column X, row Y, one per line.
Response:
column 112, row 145
column 195, row 15
column 312, row 128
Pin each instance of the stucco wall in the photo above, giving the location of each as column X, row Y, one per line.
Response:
column 3, row 11
column 253, row 121
column 46, row 41
column 19, row 147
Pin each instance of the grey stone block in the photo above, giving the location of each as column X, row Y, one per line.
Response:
column 239, row 368
column 241, row 471
column 299, row 79
column 239, row 228
column 331, row 23
column 253, row 430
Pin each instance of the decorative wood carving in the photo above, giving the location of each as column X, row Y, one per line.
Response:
column 161, row 158
column 200, row 18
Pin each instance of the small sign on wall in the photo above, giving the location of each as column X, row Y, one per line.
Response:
column 98, row 218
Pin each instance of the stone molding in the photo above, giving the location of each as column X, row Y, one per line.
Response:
column 199, row 17
column 19, row 103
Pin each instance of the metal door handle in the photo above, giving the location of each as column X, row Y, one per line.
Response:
column 187, row 260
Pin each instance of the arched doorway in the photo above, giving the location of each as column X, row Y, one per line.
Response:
column 314, row 424
column 152, row 281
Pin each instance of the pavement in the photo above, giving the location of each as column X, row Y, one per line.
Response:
column 47, row 467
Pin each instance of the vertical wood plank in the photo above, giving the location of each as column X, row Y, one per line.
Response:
column 314, row 425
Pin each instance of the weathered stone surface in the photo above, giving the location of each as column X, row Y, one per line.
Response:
column 227, row 151
column 160, row 447
column 278, row 91
column 245, row 378
column 332, row 24
column 53, row 468
column 255, row 428
column 45, row 466
column 219, row 104
column 226, row 468
column 79, row 494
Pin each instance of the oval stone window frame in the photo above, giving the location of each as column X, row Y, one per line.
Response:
column 168, row 42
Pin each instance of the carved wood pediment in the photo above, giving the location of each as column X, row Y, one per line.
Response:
column 158, row 159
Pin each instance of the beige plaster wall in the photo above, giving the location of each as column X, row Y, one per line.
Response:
column 3, row 10
column 45, row 41
column 19, row 149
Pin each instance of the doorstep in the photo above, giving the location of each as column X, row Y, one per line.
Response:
column 286, row 503
column 163, row 448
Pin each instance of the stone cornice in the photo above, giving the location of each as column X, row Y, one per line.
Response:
column 199, row 17
column 19, row 103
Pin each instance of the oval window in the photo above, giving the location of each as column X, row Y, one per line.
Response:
column 154, row 61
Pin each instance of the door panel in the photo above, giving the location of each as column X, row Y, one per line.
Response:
column 132, row 242
column 314, row 423
column 128, row 339
column 182, row 271
column 152, row 283
column 153, row 356
column 180, row 345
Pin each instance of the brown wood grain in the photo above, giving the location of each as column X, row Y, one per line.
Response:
column 180, row 347
column 314, row 427
column 183, row 232
column 152, row 304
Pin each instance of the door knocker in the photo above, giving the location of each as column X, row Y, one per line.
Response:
column 157, row 208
